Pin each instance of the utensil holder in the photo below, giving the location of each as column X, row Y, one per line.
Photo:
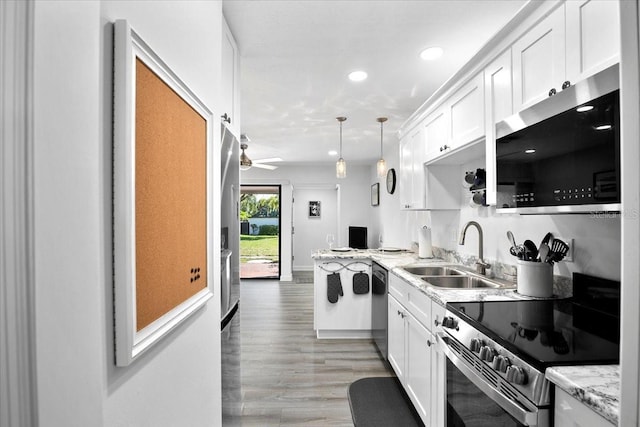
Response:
column 535, row 279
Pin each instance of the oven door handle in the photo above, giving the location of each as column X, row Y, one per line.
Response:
column 524, row 416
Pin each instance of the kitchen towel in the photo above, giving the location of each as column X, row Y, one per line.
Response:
column 334, row 287
column 360, row 283
column 425, row 250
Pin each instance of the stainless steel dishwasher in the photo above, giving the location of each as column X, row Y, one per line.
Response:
column 379, row 307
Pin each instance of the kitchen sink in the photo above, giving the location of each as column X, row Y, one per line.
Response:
column 423, row 270
column 464, row 282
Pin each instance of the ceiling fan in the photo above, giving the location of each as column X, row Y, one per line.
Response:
column 246, row 163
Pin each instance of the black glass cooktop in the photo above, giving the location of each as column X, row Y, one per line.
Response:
column 584, row 329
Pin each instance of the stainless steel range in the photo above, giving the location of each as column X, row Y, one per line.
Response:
column 498, row 351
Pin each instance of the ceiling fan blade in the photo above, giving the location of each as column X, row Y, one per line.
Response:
column 262, row 166
column 270, row 160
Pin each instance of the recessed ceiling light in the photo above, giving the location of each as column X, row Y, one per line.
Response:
column 584, row 108
column 603, row 127
column 530, row 151
column 333, row 153
column 357, row 76
column 431, row 53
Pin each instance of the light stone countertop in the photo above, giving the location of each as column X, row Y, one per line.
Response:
column 392, row 261
column 597, row 387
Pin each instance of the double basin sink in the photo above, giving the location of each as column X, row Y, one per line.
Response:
column 455, row 277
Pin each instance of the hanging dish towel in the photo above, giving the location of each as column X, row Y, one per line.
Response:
column 334, row 287
column 360, row 283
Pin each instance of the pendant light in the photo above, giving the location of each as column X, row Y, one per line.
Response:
column 382, row 165
column 341, row 165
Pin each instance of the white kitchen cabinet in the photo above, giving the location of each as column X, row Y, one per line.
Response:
column 350, row 316
column 412, row 170
column 438, row 369
column 569, row 412
column 419, row 345
column 539, row 61
column 498, row 105
column 396, row 337
column 578, row 39
column 466, row 113
column 593, row 37
column 436, row 132
column 411, row 348
column 230, row 80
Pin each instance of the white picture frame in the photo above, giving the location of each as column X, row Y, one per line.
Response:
column 131, row 341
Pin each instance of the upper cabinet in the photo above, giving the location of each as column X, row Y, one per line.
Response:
column 498, row 105
column 539, row 61
column 230, row 80
column 411, row 189
column 578, row 39
column 593, row 37
column 552, row 45
column 466, row 110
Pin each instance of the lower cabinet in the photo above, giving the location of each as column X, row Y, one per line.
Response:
column 569, row 412
column 412, row 351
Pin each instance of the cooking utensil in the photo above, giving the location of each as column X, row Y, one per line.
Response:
column 546, row 239
column 543, row 252
column 512, row 239
column 559, row 250
column 531, row 251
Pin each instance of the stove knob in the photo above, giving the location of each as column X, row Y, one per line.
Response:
column 501, row 363
column 475, row 345
column 516, row 375
column 486, row 354
column 449, row 322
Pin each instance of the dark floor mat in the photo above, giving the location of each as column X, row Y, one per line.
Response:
column 381, row 402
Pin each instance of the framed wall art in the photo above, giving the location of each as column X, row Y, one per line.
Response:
column 314, row 209
column 162, row 204
column 375, row 194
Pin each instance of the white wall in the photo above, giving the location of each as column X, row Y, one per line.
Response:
column 177, row 382
column 355, row 195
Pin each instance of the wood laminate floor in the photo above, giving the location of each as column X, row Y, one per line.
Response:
column 289, row 377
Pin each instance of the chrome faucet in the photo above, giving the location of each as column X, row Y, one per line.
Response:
column 481, row 265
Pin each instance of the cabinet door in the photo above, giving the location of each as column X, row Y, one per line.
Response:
column 405, row 180
column 498, row 90
column 569, row 412
column 418, row 149
column 593, row 37
column 418, row 367
column 466, row 110
column 396, row 337
column 539, row 61
column 436, row 134
column 438, row 369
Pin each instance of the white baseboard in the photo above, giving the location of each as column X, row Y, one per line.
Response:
column 343, row 334
column 286, row 278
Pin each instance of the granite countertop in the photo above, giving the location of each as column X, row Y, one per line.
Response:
column 393, row 261
column 597, row 387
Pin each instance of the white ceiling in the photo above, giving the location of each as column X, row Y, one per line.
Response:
column 295, row 57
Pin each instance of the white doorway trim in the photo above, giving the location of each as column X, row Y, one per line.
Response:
column 18, row 390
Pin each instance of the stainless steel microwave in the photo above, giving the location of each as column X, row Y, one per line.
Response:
column 563, row 154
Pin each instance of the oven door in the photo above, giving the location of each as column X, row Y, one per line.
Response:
column 472, row 401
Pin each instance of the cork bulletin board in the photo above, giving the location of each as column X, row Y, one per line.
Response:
column 162, row 207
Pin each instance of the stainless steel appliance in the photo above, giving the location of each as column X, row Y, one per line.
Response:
column 562, row 155
column 497, row 351
column 379, row 308
column 230, row 279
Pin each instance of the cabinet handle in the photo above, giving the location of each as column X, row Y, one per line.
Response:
column 435, row 322
column 429, row 343
column 566, row 84
column 552, row 91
